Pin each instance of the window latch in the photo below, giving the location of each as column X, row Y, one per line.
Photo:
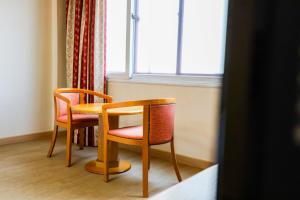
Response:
column 135, row 17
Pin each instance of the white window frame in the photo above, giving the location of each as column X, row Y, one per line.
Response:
column 128, row 72
column 206, row 80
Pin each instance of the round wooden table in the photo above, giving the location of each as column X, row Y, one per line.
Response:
column 115, row 165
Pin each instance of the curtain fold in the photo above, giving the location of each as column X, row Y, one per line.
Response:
column 85, row 50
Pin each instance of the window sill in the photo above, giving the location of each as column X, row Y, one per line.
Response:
column 176, row 80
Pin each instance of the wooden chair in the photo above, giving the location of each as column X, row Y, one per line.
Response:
column 64, row 98
column 157, row 128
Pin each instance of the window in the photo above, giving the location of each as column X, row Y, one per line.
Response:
column 156, row 40
column 202, row 37
column 179, row 36
column 116, row 36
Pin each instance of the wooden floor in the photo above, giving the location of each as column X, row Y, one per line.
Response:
column 26, row 173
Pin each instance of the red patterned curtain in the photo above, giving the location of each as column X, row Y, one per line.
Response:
column 85, row 49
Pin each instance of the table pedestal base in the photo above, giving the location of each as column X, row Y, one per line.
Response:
column 97, row 167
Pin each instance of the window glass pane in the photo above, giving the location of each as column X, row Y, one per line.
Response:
column 204, row 29
column 116, row 36
column 157, row 36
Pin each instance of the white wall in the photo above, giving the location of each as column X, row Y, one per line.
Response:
column 26, row 75
column 196, row 114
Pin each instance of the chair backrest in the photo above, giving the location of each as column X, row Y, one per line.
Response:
column 62, row 106
column 74, row 96
column 158, row 118
column 161, row 123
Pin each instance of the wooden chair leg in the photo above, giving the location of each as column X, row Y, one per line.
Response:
column 53, row 141
column 73, row 135
column 145, row 170
column 69, row 147
column 105, row 160
column 81, row 133
column 174, row 161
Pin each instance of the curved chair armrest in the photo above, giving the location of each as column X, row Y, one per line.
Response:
column 77, row 90
column 63, row 98
column 68, row 90
column 98, row 94
column 137, row 103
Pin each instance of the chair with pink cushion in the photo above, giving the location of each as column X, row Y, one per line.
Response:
column 157, row 128
column 64, row 98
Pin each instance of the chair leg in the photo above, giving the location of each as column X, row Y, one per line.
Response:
column 53, row 141
column 69, row 147
column 145, row 170
column 174, row 161
column 81, row 133
column 105, row 160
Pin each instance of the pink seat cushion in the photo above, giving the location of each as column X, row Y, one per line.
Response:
column 131, row 132
column 78, row 118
